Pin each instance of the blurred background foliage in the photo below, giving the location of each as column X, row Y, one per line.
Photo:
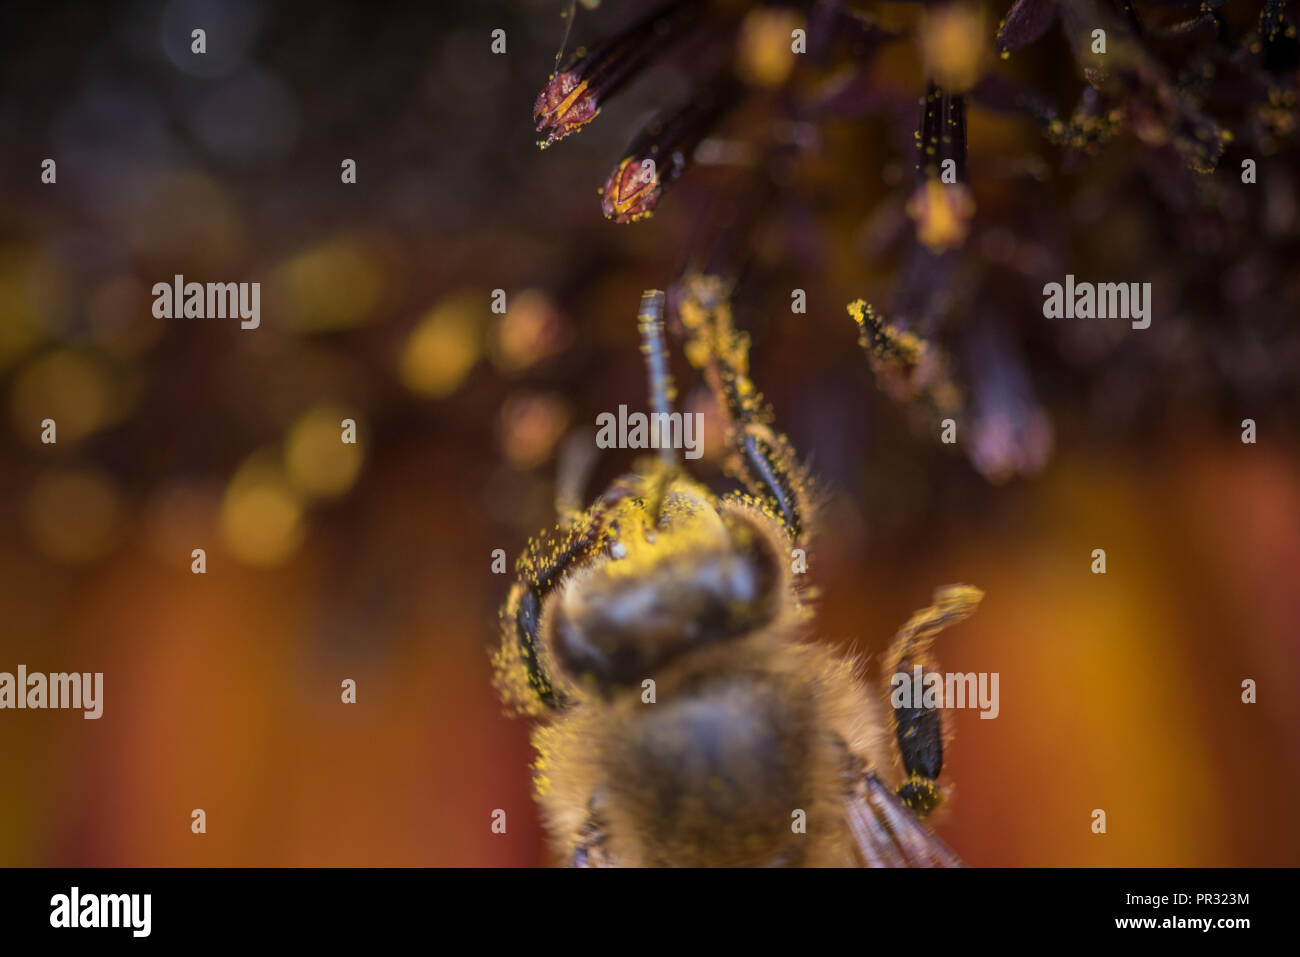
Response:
column 372, row 561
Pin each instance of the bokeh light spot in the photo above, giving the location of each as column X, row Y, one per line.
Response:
column 261, row 516
column 317, row 461
column 445, row 345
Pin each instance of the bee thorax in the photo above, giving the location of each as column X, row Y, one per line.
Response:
column 713, row 776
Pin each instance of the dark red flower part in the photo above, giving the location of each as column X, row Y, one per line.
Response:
column 663, row 150
column 943, row 133
column 1011, row 434
column 632, row 191
column 573, row 97
column 566, row 104
column 831, row 25
column 1026, row 21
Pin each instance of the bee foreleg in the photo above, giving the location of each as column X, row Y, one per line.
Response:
column 764, row 458
column 540, row 569
column 650, row 322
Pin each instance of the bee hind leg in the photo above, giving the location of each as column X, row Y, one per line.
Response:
column 589, row 843
column 918, row 730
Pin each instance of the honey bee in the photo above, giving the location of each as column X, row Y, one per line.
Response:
column 659, row 636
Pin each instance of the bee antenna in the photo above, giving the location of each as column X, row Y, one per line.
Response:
column 650, row 323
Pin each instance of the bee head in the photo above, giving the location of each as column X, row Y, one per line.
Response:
column 695, row 577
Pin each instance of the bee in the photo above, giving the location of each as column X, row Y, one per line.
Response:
column 660, row 638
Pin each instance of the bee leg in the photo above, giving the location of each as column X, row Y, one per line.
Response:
column 540, row 571
column 574, row 466
column 650, row 322
column 589, row 844
column 577, row 456
column 919, row 729
column 770, row 471
column 523, row 612
column 763, row 457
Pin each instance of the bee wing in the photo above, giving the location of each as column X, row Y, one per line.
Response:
column 887, row 834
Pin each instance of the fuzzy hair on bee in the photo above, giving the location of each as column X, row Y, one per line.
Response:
column 662, row 641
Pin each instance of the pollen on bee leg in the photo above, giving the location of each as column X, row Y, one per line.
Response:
column 920, row 794
column 952, row 604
